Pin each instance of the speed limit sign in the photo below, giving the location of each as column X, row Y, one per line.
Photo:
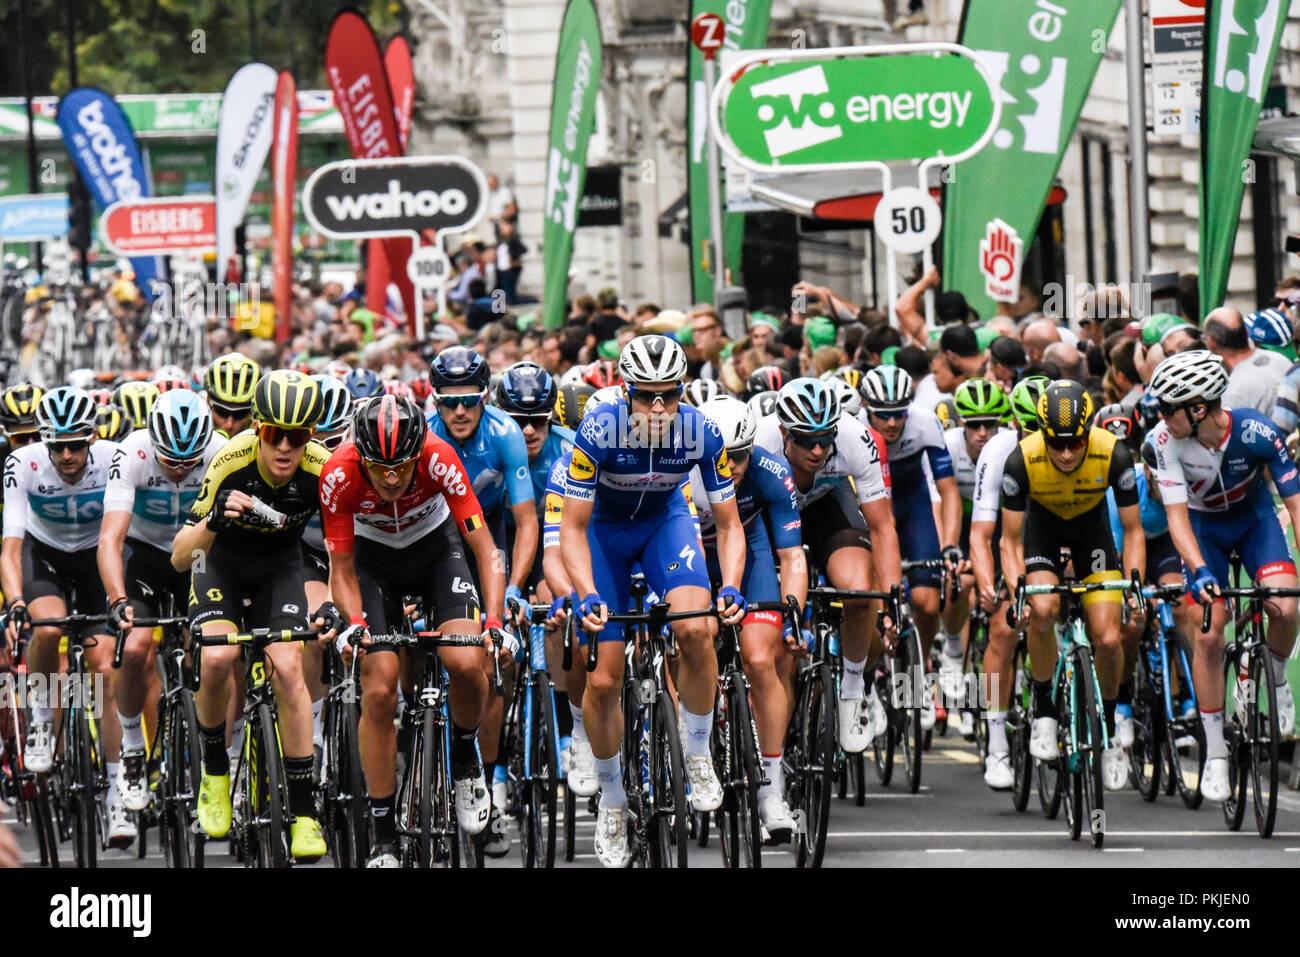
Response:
column 428, row 267
column 907, row 219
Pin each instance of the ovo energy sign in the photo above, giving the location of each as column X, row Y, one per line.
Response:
column 855, row 106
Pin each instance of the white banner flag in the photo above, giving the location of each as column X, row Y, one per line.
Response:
column 243, row 141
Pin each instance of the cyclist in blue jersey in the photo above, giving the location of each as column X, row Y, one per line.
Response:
column 1210, row 465
column 496, row 458
column 623, row 505
column 914, row 437
column 768, row 504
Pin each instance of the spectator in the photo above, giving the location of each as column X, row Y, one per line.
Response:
column 877, row 339
column 707, row 340
column 560, row 350
column 501, row 202
column 913, row 360
column 1038, row 335
column 608, row 318
column 1254, row 374
column 509, row 264
column 644, row 313
column 960, row 346
column 1123, row 370
column 1006, row 359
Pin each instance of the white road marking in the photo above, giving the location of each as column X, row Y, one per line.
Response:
column 1059, row 832
column 945, row 850
column 1123, row 850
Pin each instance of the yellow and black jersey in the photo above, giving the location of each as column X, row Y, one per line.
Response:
column 235, row 467
column 1030, row 476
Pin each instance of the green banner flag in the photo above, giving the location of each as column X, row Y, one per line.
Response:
column 745, row 22
column 573, row 114
column 1045, row 54
column 1241, row 40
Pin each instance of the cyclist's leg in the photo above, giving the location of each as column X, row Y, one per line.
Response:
column 614, row 547
column 918, row 541
column 1266, row 558
column 1215, row 541
column 840, row 545
column 148, row 575
column 494, row 705
column 44, row 592
column 768, row 663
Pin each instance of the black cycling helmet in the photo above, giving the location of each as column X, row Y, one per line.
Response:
column 526, row 389
column 459, row 365
column 570, row 403
column 18, row 407
column 1065, row 410
column 389, row 430
column 764, row 379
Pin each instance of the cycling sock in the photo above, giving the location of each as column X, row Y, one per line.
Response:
column 317, row 726
column 113, row 797
column 1125, row 695
column 1279, row 667
column 42, row 715
column 297, row 771
column 563, row 716
column 579, row 728
column 215, row 759
column 772, row 769
column 489, row 772
column 997, row 721
column 698, row 727
column 1108, row 709
column 1044, row 706
column 851, row 688
column 381, row 818
column 952, row 646
column 464, row 750
column 132, row 732
column 1215, row 745
column 610, row 776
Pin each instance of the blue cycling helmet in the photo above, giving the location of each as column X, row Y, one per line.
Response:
column 459, row 365
column 337, row 407
column 65, row 412
column 180, row 425
column 526, row 389
column 1269, row 328
column 1147, row 412
column 363, row 384
column 887, row 387
column 807, row 405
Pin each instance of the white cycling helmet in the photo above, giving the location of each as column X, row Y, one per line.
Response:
column 1187, row 376
column 850, row 398
column 572, row 376
column 807, row 405
column 601, row 396
column 700, row 391
column 763, row 404
column 888, row 387
column 652, row 360
column 734, row 419
column 84, row 379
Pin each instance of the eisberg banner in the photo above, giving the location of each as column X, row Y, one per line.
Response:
column 100, row 141
column 284, row 176
column 243, row 140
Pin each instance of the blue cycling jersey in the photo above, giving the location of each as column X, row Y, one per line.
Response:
column 768, row 487
column 495, row 457
column 557, row 445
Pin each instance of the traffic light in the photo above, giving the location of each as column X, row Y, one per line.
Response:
column 78, row 216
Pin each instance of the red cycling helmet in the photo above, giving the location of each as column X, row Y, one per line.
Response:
column 389, row 430
column 602, row 374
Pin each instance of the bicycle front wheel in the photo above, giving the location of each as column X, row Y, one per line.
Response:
column 1145, row 757
column 542, row 779
column 350, row 813
column 667, row 806
column 1235, row 731
column 1092, row 745
column 882, row 745
column 183, row 776
column 79, row 779
column 1263, row 734
column 741, row 837
column 1184, row 769
column 1022, row 762
column 816, row 751
column 911, row 665
column 266, row 798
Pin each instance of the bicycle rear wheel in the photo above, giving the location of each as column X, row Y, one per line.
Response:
column 79, row 781
column 1146, row 756
column 427, row 768
column 1263, row 734
column 913, row 738
column 816, row 754
column 1092, row 745
column 539, row 831
column 1022, row 762
column 667, row 807
column 740, row 836
column 1184, row 771
column 1234, row 730
column 882, row 745
column 266, row 798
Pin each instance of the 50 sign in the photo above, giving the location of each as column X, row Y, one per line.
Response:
column 907, row 219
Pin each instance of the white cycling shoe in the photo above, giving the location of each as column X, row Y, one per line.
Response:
column 1285, row 710
column 1124, row 730
column 968, row 725
column 856, row 725
column 38, row 753
column 121, row 829
column 927, row 711
column 778, row 822
column 1114, row 767
column 1215, row 785
column 473, row 802
column 612, row 848
column 1042, row 740
column 133, row 781
column 706, row 789
column 997, row 771
column 951, row 675
column 582, row 770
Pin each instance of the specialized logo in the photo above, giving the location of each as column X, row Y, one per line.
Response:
column 1010, row 487
column 688, row 553
column 394, row 197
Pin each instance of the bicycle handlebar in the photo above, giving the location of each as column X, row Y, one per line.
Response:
column 426, row 640
column 1255, row 591
column 1023, row 591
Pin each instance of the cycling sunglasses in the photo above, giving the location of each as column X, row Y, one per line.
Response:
column 273, row 435
column 379, row 470
column 168, row 462
column 651, row 396
column 470, row 401
column 332, row 442
column 740, row 456
column 1066, row 444
column 230, row 412
column 72, row 445
column 889, row 413
column 818, row 440
column 538, row 422
column 982, row 425
column 19, row 439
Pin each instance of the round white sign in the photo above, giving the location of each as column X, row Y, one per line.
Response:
column 907, row 219
column 428, row 267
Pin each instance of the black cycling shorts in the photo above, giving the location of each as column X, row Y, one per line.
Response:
column 149, row 577
column 1162, row 557
column 316, row 564
column 271, row 582
column 833, row 522
column 434, row 569
column 71, row 576
column 1086, row 536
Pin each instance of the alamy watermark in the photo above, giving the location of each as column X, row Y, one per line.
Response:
column 907, row 689
column 198, row 299
column 1080, row 300
column 60, row 690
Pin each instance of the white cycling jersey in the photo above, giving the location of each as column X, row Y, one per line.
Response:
column 855, row 457
column 963, row 466
column 988, row 476
column 158, row 506
column 38, row 502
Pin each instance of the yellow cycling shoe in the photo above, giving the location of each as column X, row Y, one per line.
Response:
column 308, row 843
column 214, row 805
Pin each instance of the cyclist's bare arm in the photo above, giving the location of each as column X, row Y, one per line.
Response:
column 345, row 590
column 1180, row 529
column 879, row 517
column 112, row 538
column 490, row 573
column 11, row 568
column 731, row 542
column 1135, row 543
column 1013, row 553
column 526, row 533
column 573, row 545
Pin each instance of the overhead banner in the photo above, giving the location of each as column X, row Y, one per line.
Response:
column 578, row 65
column 243, row 140
column 100, row 141
column 1241, row 40
column 1044, row 55
column 745, row 28
column 357, row 76
column 35, row 217
column 284, row 177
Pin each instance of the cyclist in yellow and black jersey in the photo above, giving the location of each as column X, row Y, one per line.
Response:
column 1054, row 497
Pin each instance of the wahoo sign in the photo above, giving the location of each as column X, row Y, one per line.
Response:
column 395, row 197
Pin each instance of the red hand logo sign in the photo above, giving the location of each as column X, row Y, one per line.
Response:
column 1000, row 252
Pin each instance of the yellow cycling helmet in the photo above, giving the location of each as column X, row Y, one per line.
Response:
column 288, row 399
column 18, row 407
column 231, row 379
column 136, row 399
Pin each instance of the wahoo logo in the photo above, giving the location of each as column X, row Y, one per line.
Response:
column 397, row 202
column 112, row 155
column 1248, row 74
column 1041, row 129
column 75, row 911
column 354, row 198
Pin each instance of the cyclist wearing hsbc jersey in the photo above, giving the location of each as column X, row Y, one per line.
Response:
column 1210, row 465
column 54, row 503
column 396, row 501
column 842, row 487
column 766, row 499
column 153, row 482
column 623, row 505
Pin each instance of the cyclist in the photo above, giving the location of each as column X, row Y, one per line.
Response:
column 18, row 416
column 764, row 379
column 602, row 374
column 54, row 502
column 842, row 486
column 1054, row 497
column 622, row 506
column 111, row 423
column 914, row 438
column 229, row 383
column 495, row 455
column 394, row 500
column 136, row 399
column 153, row 482
column 570, row 402
column 768, row 505
column 986, row 561
column 1209, row 475
column 363, row 384
column 246, row 525
column 700, row 391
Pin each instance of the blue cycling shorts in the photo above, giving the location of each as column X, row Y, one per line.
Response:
column 1252, row 530
column 918, row 539
column 760, row 582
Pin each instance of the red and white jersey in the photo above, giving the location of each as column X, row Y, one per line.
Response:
column 350, row 506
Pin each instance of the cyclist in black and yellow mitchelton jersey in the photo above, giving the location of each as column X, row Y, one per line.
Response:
column 243, row 540
column 1053, row 498
column 229, row 384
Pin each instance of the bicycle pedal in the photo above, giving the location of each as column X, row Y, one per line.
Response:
column 800, row 822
